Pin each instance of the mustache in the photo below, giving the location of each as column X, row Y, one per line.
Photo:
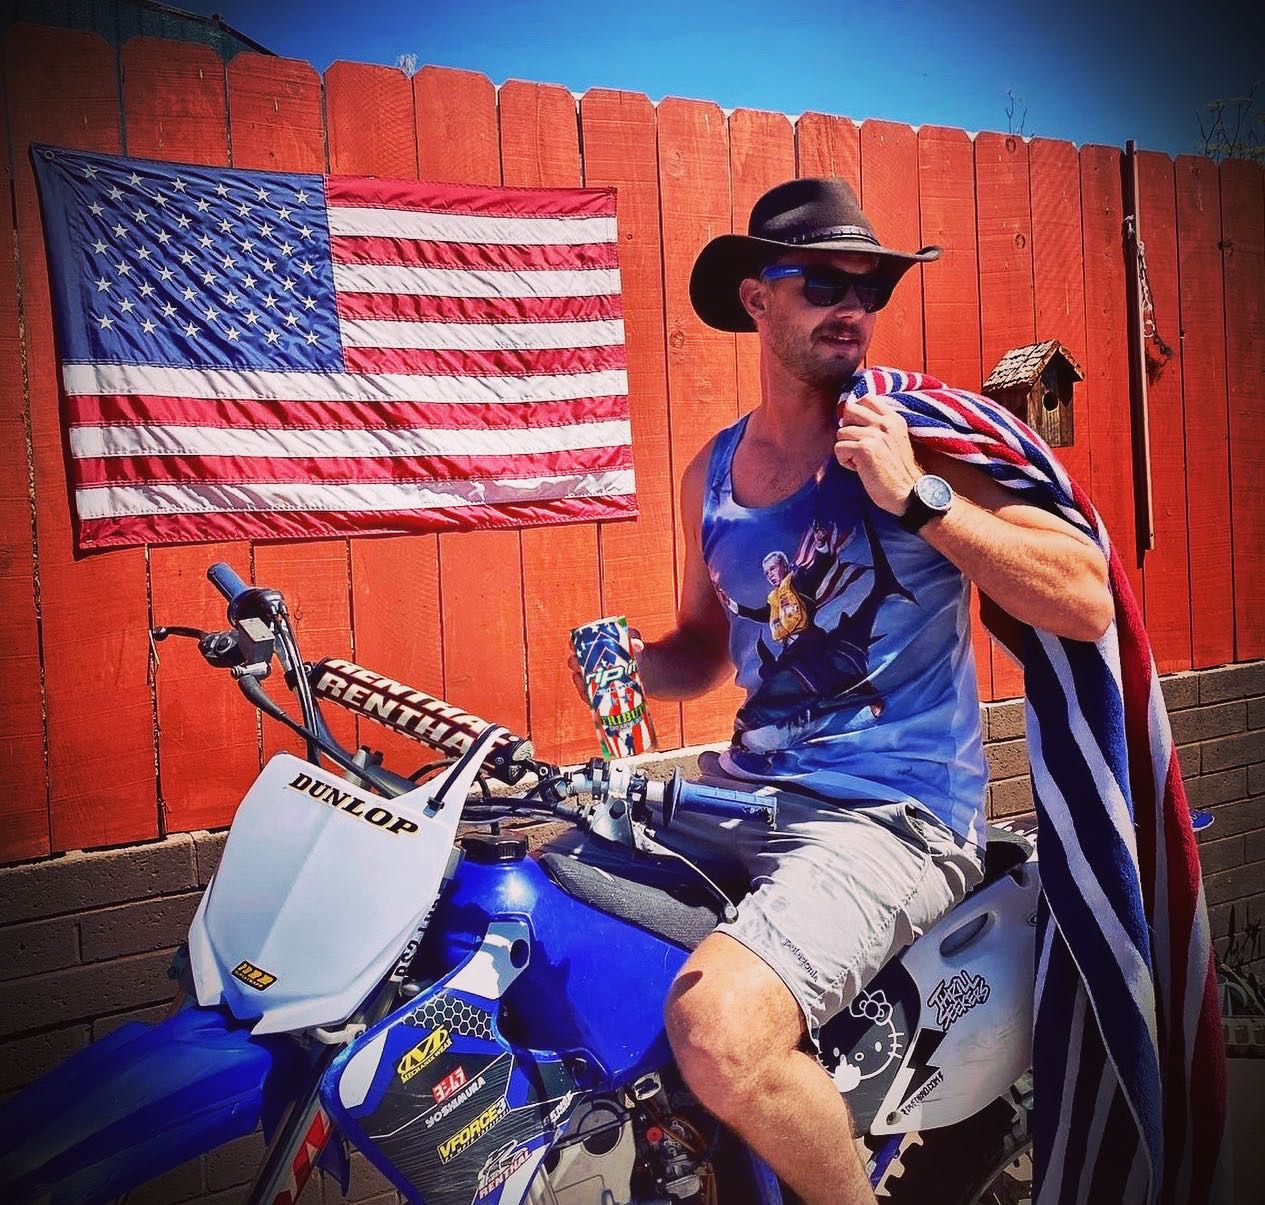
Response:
column 838, row 330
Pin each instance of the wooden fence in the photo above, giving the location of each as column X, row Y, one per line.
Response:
column 97, row 749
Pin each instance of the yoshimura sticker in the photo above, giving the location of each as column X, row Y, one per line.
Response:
column 471, row 1089
column 423, row 1054
column 471, row 1132
column 448, row 1085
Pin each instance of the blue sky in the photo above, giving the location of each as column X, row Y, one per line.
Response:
column 1090, row 72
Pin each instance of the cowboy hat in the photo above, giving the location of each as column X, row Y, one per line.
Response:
column 800, row 215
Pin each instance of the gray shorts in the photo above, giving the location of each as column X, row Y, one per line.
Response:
column 836, row 889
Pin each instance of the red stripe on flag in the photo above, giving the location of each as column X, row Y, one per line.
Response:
column 426, row 196
column 294, row 525
column 157, row 411
column 493, row 257
column 421, row 307
column 423, row 470
column 546, row 362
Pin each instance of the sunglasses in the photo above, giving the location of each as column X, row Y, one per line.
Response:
column 828, row 287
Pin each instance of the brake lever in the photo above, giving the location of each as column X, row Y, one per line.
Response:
column 162, row 633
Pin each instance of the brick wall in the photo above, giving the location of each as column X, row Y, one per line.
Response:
column 85, row 938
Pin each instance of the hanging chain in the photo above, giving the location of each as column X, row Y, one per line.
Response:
column 1149, row 329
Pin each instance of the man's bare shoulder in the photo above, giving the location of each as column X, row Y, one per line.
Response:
column 694, row 480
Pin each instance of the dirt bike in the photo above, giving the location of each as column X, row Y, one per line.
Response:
column 369, row 968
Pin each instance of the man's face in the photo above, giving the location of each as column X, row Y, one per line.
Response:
column 776, row 570
column 820, row 346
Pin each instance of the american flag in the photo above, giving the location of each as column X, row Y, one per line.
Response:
column 1129, row 1066
column 268, row 355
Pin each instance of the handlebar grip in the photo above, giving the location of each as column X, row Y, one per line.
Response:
column 224, row 578
column 720, row 801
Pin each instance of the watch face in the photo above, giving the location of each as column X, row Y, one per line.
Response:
column 934, row 492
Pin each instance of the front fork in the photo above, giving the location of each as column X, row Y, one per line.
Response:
column 306, row 1130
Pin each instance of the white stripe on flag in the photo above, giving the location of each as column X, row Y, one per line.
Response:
column 1134, row 972
column 480, row 336
column 116, row 501
column 169, row 440
column 465, row 282
column 232, row 383
column 468, row 228
column 1052, row 1190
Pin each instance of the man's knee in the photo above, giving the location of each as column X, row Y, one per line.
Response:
column 729, row 1019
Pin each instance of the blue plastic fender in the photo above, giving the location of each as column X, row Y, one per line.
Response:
column 141, row 1101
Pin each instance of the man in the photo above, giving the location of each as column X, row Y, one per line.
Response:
column 843, row 884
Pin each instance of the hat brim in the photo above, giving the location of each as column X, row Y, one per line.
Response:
column 730, row 258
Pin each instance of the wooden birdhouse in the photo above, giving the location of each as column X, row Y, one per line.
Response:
column 1035, row 382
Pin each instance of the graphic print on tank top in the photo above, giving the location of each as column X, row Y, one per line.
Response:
column 851, row 638
column 806, row 669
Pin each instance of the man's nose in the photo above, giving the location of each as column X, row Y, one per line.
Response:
column 851, row 302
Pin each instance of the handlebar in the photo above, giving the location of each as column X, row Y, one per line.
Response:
column 224, row 578
column 433, row 721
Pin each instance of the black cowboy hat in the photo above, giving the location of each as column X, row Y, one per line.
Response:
column 800, row 215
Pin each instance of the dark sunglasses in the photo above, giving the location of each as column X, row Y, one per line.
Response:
column 828, row 287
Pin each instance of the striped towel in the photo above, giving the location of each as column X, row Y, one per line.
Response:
column 1129, row 1066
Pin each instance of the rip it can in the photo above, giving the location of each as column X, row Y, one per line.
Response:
column 616, row 695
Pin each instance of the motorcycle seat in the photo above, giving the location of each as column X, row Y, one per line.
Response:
column 659, row 897
column 654, row 894
column 1004, row 849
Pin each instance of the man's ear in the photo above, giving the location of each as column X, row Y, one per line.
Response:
column 754, row 297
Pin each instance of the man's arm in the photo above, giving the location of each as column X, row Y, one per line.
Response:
column 1033, row 564
column 694, row 656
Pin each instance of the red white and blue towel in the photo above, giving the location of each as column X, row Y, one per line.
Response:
column 1129, row 1066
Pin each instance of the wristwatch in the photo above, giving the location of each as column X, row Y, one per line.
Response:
column 931, row 496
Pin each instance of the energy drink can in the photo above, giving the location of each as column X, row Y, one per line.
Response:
column 616, row 695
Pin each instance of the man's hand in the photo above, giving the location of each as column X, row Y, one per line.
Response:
column 577, row 673
column 873, row 441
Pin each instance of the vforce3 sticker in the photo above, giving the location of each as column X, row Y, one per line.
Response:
column 423, row 1054
column 472, row 1131
column 253, row 976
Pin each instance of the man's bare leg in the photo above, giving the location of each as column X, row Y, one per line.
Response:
column 735, row 1030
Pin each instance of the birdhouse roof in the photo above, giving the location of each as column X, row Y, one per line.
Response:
column 1024, row 365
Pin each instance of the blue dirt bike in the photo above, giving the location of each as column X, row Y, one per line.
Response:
column 484, row 1024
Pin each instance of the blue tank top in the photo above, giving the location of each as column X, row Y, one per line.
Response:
column 852, row 640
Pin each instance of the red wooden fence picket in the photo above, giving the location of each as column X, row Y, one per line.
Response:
column 1033, row 250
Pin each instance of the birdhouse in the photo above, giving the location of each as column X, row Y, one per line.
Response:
column 1035, row 382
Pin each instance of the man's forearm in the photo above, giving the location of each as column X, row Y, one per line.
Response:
column 683, row 665
column 1047, row 579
